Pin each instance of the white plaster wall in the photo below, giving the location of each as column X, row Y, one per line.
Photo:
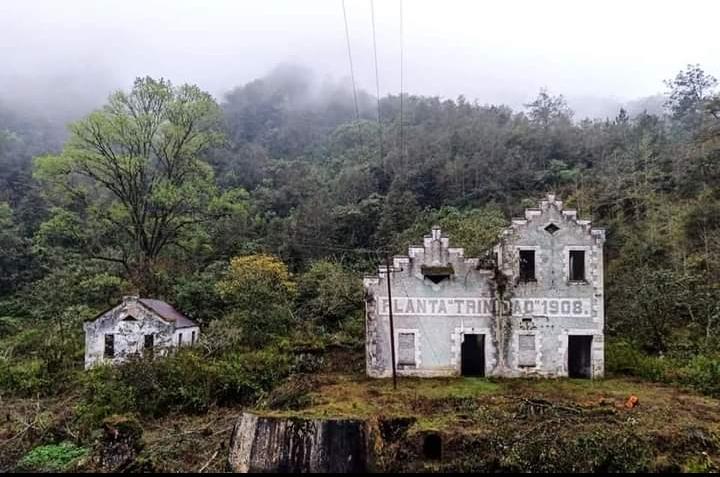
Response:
column 129, row 334
column 439, row 337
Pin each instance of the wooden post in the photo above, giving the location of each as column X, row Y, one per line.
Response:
column 392, row 325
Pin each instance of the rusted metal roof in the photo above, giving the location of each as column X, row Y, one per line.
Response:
column 168, row 312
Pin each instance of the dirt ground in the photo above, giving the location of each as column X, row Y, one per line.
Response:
column 175, row 443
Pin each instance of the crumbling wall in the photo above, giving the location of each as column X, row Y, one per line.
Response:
column 129, row 322
column 438, row 314
column 552, row 232
column 437, row 311
column 278, row 444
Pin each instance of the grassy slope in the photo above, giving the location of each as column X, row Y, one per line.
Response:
column 683, row 427
column 674, row 429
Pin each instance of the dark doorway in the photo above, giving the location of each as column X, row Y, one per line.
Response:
column 432, row 447
column 472, row 356
column 579, row 356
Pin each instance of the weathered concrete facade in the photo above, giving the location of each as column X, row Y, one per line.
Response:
column 535, row 308
column 136, row 326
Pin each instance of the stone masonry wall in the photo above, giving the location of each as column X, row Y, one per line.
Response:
column 539, row 316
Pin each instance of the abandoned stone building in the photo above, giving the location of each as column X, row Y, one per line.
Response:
column 535, row 307
column 137, row 326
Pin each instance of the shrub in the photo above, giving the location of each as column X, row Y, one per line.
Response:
column 624, row 358
column 103, row 395
column 9, row 325
column 183, row 381
column 329, row 295
column 23, row 378
column 703, row 374
column 43, row 357
column 51, row 458
column 243, row 377
column 261, row 290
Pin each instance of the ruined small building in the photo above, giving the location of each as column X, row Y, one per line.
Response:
column 535, row 307
column 137, row 326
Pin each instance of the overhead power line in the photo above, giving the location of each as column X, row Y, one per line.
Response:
column 352, row 70
column 377, row 83
column 402, row 79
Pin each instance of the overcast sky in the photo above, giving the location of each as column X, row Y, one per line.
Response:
column 496, row 52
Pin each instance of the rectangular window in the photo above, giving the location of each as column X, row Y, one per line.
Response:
column 180, row 339
column 149, row 343
column 406, row 349
column 526, row 350
column 527, row 265
column 192, row 338
column 577, row 265
column 109, row 346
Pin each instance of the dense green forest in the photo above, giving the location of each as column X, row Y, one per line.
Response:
column 258, row 213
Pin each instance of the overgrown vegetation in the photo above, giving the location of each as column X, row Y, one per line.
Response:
column 522, row 425
column 51, row 458
column 698, row 371
column 258, row 215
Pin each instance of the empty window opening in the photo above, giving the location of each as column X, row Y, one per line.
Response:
column 110, row 346
column 577, row 265
column 179, row 339
column 406, row 350
column 192, row 338
column 527, row 265
column 149, row 343
column 432, row 447
column 437, row 274
column 551, row 229
column 129, row 318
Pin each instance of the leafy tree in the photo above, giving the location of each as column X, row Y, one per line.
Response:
column 329, row 295
column 197, row 294
column 476, row 230
column 547, row 109
column 16, row 262
column 131, row 181
column 399, row 212
column 260, row 290
column 689, row 92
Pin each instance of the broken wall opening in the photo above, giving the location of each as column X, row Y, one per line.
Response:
column 472, row 355
column 579, row 356
column 432, row 447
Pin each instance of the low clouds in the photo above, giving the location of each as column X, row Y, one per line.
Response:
column 598, row 54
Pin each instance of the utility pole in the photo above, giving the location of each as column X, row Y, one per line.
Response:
column 392, row 325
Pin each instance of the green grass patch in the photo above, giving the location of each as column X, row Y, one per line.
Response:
column 52, row 458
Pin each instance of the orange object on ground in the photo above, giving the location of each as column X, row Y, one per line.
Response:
column 632, row 401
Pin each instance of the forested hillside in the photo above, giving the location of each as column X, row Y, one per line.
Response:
column 257, row 214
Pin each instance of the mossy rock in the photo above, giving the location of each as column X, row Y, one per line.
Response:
column 122, row 427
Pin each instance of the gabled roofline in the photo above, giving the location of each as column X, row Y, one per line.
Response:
column 147, row 307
